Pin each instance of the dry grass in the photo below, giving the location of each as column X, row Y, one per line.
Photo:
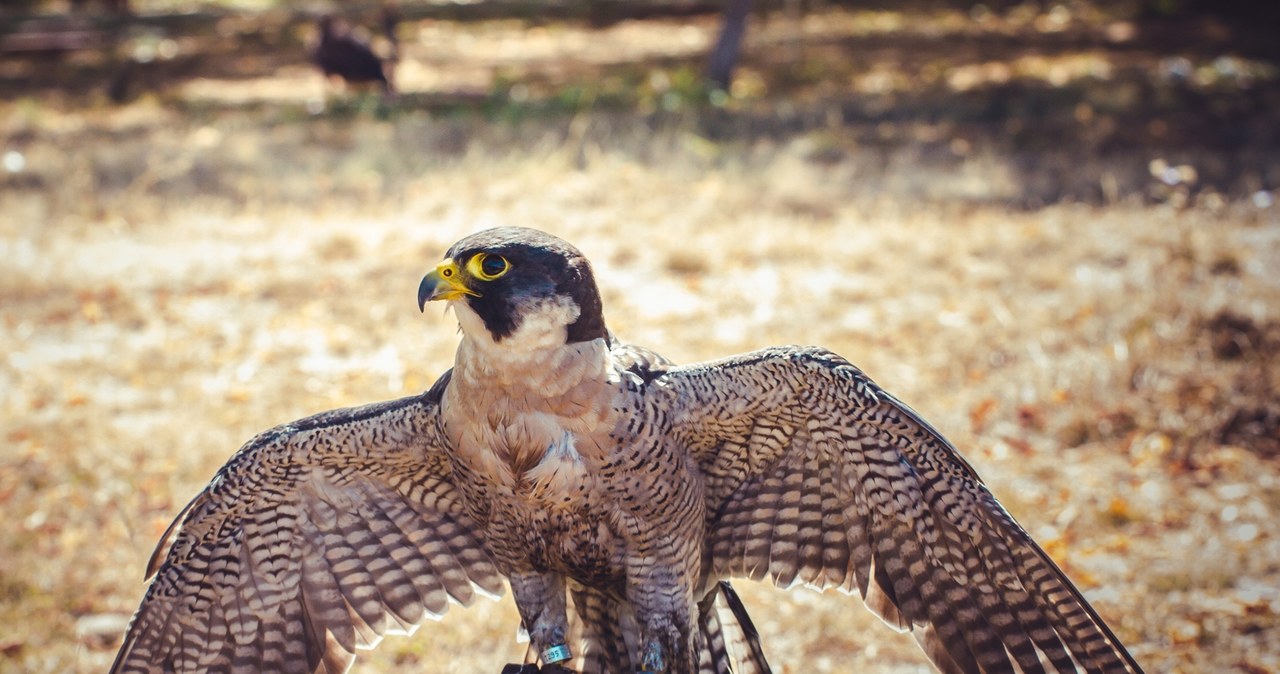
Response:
column 175, row 283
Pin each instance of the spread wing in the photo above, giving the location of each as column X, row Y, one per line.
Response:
column 316, row 538
column 816, row 476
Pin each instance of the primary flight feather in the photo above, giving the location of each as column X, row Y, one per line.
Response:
column 615, row 492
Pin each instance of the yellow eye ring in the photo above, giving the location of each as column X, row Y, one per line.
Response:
column 488, row 267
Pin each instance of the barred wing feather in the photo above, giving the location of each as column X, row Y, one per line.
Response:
column 817, row 477
column 315, row 539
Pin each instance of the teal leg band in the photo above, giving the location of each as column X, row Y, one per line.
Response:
column 558, row 653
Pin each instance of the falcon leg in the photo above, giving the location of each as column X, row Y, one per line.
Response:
column 652, row 660
column 667, row 646
column 661, row 596
column 540, row 598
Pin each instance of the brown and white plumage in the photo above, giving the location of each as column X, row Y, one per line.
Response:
column 615, row 492
column 315, row 538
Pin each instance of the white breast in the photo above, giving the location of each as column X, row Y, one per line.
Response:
column 561, row 472
column 535, row 423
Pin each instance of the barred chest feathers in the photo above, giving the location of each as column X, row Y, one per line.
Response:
column 536, row 435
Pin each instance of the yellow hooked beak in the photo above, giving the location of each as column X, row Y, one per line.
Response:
column 443, row 283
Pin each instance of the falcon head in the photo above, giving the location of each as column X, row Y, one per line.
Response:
column 514, row 282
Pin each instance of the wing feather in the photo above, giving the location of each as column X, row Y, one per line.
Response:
column 315, row 539
column 784, row 552
column 815, row 475
column 809, row 515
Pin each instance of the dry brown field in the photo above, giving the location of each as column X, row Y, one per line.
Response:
column 1086, row 302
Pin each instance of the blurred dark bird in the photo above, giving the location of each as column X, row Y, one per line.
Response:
column 343, row 54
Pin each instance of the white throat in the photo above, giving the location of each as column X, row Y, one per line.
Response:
column 534, row 356
column 544, row 325
column 523, row 407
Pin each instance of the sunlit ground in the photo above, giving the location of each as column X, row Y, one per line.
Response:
column 177, row 278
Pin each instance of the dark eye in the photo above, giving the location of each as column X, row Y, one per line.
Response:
column 488, row 267
column 493, row 265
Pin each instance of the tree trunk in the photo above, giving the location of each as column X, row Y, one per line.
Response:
column 724, row 56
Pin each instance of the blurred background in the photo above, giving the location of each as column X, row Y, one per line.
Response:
column 1050, row 227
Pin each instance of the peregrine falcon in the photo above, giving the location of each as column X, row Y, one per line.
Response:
column 615, row 492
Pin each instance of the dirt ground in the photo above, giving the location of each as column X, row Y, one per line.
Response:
column 1064, row 252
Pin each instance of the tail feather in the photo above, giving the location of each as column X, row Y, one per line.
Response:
column 730, row 643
